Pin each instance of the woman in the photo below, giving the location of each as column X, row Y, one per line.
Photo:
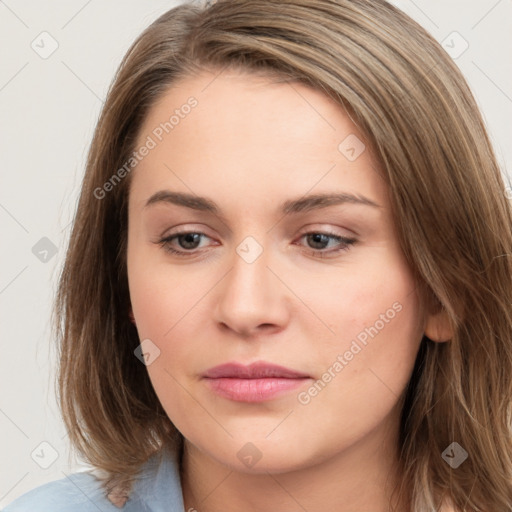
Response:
column 337, row 335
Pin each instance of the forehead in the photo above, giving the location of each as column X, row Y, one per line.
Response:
column 257, row 137
column 231, row 99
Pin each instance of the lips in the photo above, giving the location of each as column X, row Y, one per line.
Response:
column 258, row 370
column 257, row 382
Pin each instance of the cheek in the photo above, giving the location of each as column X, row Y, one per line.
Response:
column 376, row 299
column 160, row 295
column 374, row 319
column 364, row 369
column 165, row 309
column 367, row 364
column 170, row 309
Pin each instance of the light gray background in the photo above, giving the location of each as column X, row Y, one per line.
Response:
column 49, row 108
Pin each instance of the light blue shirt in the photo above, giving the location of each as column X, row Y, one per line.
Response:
column 157, row 489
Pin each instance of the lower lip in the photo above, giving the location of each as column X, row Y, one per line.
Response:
column 253, row 390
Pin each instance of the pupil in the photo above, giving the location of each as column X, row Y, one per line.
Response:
column 188, row 238
column 317, row 238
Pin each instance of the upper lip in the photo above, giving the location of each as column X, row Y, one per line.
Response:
column 257, row 370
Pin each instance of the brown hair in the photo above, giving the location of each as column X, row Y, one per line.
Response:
column 449, row 204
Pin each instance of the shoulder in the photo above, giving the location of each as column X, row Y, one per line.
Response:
column 79, row 492
column 158, row 487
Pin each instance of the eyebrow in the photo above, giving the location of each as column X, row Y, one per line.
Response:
column 300, row 205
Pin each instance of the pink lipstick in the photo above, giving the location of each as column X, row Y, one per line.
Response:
column 256, row 382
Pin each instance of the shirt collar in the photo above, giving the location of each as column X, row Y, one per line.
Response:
column 159, row 485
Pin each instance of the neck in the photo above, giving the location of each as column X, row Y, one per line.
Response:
column 362, row 477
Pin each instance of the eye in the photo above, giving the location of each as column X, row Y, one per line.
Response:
column 189, row 241
column 320, row 239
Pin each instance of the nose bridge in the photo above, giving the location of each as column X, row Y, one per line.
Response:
column 250, row 294
column 249, row 277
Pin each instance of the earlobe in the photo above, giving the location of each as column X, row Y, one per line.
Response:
column 132, row 318
column 437, row 327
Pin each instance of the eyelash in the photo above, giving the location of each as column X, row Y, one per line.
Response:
column 318, row 253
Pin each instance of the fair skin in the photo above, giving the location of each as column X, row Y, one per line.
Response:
column 249, row 146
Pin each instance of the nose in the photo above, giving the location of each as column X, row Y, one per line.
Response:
column 252, row 299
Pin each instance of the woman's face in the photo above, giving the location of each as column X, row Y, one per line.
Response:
column 265, row 278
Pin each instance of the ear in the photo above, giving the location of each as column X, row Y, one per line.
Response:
column 130, row 315
column 437, row 327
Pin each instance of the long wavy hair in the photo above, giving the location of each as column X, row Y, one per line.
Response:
column 449, row 205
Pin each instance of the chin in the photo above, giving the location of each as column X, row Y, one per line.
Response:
column 262, row 456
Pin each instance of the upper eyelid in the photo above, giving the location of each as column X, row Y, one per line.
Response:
column 312, row 227
column 301, row 234
column 309, row 230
